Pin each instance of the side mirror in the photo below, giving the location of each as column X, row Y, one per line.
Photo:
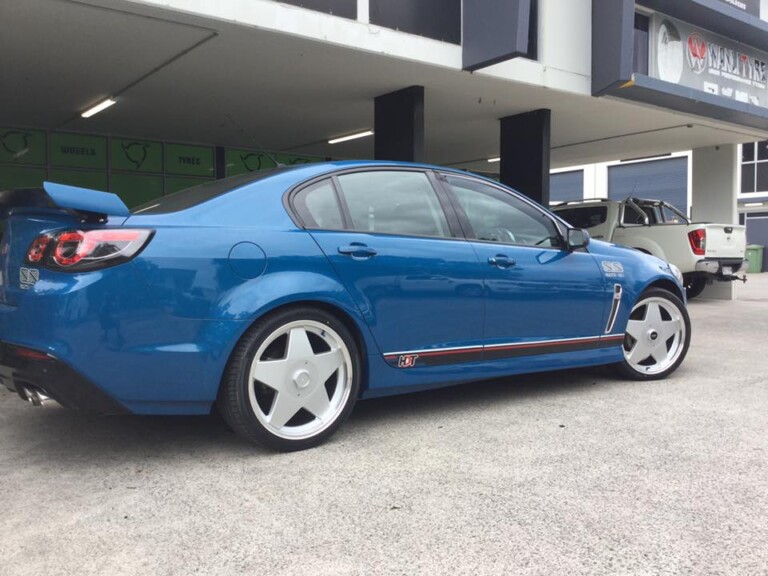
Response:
column 577, row 238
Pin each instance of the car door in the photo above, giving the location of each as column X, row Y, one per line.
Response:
column 540, row 297
column 414, row 279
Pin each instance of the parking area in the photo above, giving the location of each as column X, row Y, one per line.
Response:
column 564, row 473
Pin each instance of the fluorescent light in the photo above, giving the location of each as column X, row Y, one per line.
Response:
column 497, row 159
column 753, row 204
column 103, row 105
column 351, row 137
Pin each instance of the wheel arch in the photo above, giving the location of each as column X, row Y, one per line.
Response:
column 667, row 285
column 342, row 315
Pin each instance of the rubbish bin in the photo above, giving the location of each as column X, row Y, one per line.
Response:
column 754, row 258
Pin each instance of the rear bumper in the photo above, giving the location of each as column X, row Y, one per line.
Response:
column 24, row 370
column 722, row 267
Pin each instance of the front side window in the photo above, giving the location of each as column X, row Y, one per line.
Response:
column 496, row 216
column 393, row 202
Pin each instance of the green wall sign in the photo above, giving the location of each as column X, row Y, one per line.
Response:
column 78, row 151
column 20, row 146
column 188, row 160
column 239, row 161
column 136, row 155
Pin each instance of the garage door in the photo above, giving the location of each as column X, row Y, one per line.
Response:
column 656, row 179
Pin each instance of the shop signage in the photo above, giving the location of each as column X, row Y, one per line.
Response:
column 77, row 151
column 748, row 6
column 696, row 58
column 136, row 155
column 20, row 146
column 189, row 160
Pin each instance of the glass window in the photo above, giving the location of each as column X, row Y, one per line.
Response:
column 762, row 150
column 748, row 152
column 393, row 202
column 747, row 178
column 318, row 206
column 633, row 216
column 762, row 176
column 584, row 217
column 496, row 216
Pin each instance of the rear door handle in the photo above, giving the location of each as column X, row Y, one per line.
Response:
column 501, row 261
column 357, row 250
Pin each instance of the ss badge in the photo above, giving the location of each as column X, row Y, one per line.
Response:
column 28, row 277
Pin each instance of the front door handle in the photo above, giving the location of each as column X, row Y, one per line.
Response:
column 357, row 250
column 501, row 261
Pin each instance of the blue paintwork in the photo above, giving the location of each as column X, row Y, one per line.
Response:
column 155, row 333
column 86, row 200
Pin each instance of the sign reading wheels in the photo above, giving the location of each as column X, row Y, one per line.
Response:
column 699, row 59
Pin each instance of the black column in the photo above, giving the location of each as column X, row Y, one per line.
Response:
column 525, row 153
column 399, row 125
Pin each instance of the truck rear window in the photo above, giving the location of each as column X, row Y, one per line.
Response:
column 584, row 216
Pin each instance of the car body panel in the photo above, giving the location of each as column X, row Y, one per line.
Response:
column 156, row 333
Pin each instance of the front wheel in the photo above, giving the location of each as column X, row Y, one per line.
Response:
column 292, row 380
column 657, row 336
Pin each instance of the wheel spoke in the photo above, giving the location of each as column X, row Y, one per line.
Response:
column 327, row 363
column 636, row 329
column 639, row 353
column 659, row 354
column 284, row 407
column 671, row 328
column 653, row 314
column 318, row 403
column 298, row 345
column 273, row 373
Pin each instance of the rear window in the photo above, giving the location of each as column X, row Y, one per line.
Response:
column 584, row 216
column 189, row 197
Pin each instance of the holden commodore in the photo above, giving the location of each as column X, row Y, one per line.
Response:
column 282, row 297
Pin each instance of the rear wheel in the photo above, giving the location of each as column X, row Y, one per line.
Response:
column 657, row 336
column 292, row 380
column 694, row 286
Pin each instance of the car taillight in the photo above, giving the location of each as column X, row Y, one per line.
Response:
column 698, row 240
column 81, row 250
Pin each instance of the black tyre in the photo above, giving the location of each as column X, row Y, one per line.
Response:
column 657, row 336
column 292, row 380
column 694, row 286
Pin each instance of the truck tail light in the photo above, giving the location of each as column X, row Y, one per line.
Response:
column 698, row 240
column 79, row 251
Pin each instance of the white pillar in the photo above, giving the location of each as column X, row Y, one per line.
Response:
column 715, row 180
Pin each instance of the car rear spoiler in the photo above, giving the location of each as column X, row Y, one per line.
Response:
column 91, row 204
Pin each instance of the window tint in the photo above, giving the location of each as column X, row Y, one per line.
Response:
column 584, row 217
column 633, row 216
column 189, row 197
column 496, row 216
column 318, row 206
column 393, row 202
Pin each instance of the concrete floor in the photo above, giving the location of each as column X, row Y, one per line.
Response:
column 566, row 473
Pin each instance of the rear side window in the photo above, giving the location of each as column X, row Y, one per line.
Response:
column 584, row 216
column 318, row 206
column 393, row 202
column 189, row 197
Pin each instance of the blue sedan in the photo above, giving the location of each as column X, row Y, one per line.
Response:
column 283, row 297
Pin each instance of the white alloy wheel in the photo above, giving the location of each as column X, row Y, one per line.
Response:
column 292, row 379
column 300, row 379
column 657, row 335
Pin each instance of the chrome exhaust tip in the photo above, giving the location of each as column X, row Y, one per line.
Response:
column 35, row 397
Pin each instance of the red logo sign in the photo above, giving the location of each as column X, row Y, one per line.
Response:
column 697, row 53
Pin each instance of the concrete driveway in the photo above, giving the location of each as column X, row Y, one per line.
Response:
column 565, row 473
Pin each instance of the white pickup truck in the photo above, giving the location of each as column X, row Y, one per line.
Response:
column 704, row 252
